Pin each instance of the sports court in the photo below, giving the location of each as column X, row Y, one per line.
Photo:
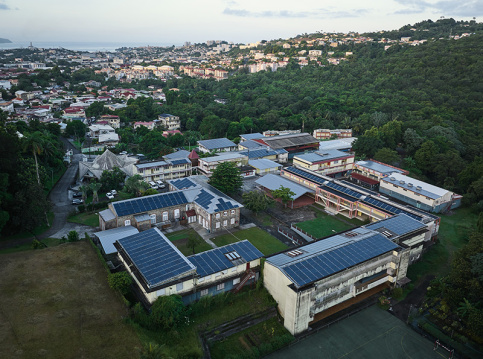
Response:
column 371, row 333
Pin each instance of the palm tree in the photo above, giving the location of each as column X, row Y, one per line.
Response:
column 95, row 186
column 465, row 308
column 35, row 142
column 84, row 189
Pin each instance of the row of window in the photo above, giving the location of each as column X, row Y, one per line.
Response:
column 225, row 223
column 179, row 288
column 225, row 213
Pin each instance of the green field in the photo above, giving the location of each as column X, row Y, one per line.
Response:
column 89, row 219
column 265, row 242
column 180, row 240
column 453, row 234
column 370, row 334
column 324, row 225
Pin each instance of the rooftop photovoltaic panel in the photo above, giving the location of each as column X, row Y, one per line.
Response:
column 180, row 161
column 388, row 208
column 400, row 224
column 148, row 203
column 183, row 183
column 204, row 199
column 215, row 260
column 316, row 267
column 307, row 175
column 345, row 190
column 155, row 257
column 337, row 193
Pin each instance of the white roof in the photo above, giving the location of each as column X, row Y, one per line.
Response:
column 109, row 237
column 412, row 184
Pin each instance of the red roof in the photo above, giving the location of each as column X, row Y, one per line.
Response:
column 364, row 178
column 193, row 155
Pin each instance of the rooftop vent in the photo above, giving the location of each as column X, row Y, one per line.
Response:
column 401, row 182
column 410, row 184
column 419, row 188
column 351, row 234
column 294, row 253
column 232, row 255
column 392, row 178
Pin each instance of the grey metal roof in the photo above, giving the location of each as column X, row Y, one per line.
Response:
column 399, row 224
column 142, row 217
column 273, row 182
column 340, row 144
column 262, row 152
column 152, row 164
column 109, row 237
column 252, row 136
column 225, row 156
column 216, row 143
column 252, row 144
column 322, row 156
column 412, row 184
column 178, row 154
column 378, row 167
column 107, row 215
column 263, row 164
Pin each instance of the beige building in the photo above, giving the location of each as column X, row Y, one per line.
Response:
column 208, row 164
column 326, row 134
column 170, row 122
column 329, row 162
column 164, row 170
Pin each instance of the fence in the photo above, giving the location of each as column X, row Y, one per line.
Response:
column 290, row 236
column 302, row 233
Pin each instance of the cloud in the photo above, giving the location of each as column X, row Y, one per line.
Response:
column 317, row 13
column 443, row 7
column 4, row 6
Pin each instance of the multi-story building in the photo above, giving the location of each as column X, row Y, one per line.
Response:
column 189, row 200
column 332, row 162
column 369, row 173
column 208, row 164
column 419, row 194
column 96, row 130
column 170, row 122
column 149, row 125
column 164, row 170
column 160, row 269
column 292, row 143
column 217, row 144
column 112, row 120
column 319, row 279
column 325, row 134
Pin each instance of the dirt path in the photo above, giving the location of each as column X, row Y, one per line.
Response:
column 413, row 299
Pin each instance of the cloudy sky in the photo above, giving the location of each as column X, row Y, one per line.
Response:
column 176, row 21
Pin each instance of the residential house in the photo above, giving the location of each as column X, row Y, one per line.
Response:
column 112, row 120
column 170, row 122
column 149, row 125
column 217, row 144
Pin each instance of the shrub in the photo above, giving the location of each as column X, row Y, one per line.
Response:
column 397, row 293
column 120, row 281
column 73, row 236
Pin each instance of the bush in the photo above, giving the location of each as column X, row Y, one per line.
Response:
column 73, row 236
column 81, row 208
column 397, row 293
column 120, row 281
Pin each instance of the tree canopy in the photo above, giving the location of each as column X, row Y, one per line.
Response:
column 226, row 177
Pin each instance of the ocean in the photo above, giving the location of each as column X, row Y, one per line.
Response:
column 81, row 46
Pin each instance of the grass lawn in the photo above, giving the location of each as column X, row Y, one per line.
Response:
column 180, row 240
column 89, row 219
column 56, row 303
column 453, row 234
column 241, row 343
column 184, row 342
column 265, row 242
column 324, row 225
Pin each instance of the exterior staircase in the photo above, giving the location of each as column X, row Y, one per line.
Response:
column 249, row 274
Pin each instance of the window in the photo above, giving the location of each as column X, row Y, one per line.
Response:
column 225, row 222
column 179, row 287
column 217, row 224
column 176, row 213
column 225, row 213
column 236, row 281
column 165, row 216
column 232, row 211
column 161, row 292
column 153, row 218
column 217, row 215
column 220, row 286
column 204, row 292
column 232, row 221
column 233, row 269
column 127, row 222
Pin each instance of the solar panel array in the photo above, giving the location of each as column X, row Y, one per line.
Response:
column 400, row 224
column 345, row 190
column 155, row 257
column 337, row 193
column 222, row 205
column 307, row 175
column 216, row 143
column 183, row 183
column 179, row 162
column 148, row 203
column 388, row 208
column 325, row 264
column 204, row 199
column 215, row 260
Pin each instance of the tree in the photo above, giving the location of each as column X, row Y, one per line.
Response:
column 35, row 143
column 256, row 201
column 96, row 109
column 167, row 311
column 85, row 190
column 194, row 241
column 75, row 128
column 95, row 186
column 425, row 155
column 150, row 192
column 120, row 281
column 73, row 236
column 285, row 194
column 112, row 179
column 226, row 177
column 135, row 185
column 31, row 207
column 386, row 155
column 153, row 351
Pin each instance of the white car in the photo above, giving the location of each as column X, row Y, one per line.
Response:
column 152, row 184
column 113, row 192
column 160, row 184
column 109, row 195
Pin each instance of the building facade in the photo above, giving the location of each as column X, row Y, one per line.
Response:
column 326, row 134
column 330, row 162
column 170, row 122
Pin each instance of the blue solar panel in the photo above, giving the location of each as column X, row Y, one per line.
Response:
column 204, row 199
column 154, row 256
column 179, row 162
column 345, row 190
column 330, row 262
column 307, row 175
column 388, row 208
column 214, row 261
column 148, row 203
column 337, row 193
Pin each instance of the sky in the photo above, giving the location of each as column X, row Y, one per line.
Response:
column 241, row 21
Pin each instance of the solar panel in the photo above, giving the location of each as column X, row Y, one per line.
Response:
column 327, row 263
column 307, row 175
column 155, row 257
column 148, row 203
column 388, row 208
column 345, row 190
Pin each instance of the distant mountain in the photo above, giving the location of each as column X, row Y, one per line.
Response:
column 5, row 41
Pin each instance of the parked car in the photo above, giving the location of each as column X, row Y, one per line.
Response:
column 114, row 192
column 77, row 201
column 160, row 184
column 109, row 195
column 151, row 183
column 77, row 194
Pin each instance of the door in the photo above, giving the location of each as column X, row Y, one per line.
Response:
column 248, row 266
